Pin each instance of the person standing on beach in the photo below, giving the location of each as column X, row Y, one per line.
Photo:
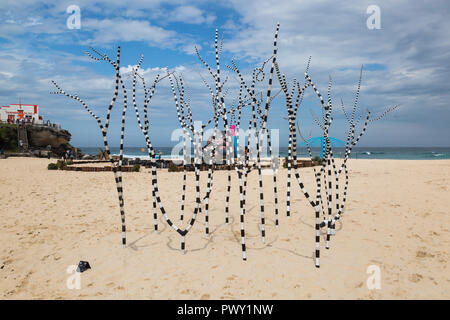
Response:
column 49, row 148
column 160, row 154
column 21, row 145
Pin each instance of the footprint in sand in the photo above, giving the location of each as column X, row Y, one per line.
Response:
column 415, row 277
column 232, row 277
column 423, row 254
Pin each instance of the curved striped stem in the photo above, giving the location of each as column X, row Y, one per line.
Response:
column 275, row 193
column 117, row 169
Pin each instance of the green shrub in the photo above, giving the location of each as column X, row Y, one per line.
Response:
column 52, row 166
column 172, row 167
column 136, row 168
column 317, row 160
column 61, row 164
column 8, row 137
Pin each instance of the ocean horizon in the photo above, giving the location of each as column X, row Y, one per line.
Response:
column 393, row 153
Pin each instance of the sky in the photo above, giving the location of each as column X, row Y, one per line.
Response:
column 406, row 61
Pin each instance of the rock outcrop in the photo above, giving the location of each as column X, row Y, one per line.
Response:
column 41, row 137
column 38, row 138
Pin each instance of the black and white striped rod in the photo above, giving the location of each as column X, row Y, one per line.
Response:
column 251, row 92
column 292, row 126
column 117, row 169
column 148, row 95
column 219, row 97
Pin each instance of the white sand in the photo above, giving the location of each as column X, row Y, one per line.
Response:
column 397, row 218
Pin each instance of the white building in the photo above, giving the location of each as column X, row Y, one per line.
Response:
column 14, row 112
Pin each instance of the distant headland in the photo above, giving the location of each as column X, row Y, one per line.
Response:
column 24, row 132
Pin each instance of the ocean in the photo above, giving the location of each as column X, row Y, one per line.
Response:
column 397, row 153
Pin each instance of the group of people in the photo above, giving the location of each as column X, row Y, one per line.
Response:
column 22, row 121
column 68, row 155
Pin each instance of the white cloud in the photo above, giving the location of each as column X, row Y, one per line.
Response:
column 113, row 30
column 190, row 14
column 6, row 74
column 190, row 48
column 32, row 21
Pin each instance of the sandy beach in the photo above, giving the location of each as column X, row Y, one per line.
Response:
column 397, row 218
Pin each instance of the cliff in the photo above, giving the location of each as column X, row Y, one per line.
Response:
column 39, row 137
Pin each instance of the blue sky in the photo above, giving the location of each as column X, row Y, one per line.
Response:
column 406, row 60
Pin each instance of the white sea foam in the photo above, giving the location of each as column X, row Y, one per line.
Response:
column 146, row 157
